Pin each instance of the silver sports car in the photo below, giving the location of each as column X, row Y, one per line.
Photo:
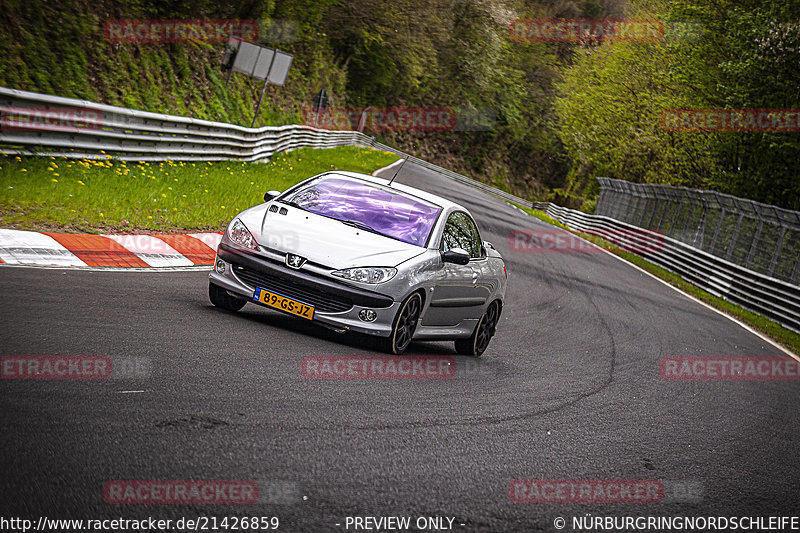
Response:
column 358, row 253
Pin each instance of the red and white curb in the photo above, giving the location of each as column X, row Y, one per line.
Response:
column 84, row 250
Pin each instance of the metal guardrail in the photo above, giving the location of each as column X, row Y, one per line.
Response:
column 38, row 124
column 126, row 134
column 763, row 294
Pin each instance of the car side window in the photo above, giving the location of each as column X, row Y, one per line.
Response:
column 460, row 231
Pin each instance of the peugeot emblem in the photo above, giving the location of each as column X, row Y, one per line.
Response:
column 294, row 261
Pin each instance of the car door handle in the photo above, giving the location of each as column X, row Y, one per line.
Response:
column 474, row 277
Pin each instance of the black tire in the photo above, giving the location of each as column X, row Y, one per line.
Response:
column 222, row 299
column 405, row 323
column 477, row 343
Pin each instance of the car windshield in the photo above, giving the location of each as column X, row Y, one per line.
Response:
column 389, row 213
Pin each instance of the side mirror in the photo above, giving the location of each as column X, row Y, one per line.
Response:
column 456, row 255
column 270, row 195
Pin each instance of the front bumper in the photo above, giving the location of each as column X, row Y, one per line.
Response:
column 337, row 305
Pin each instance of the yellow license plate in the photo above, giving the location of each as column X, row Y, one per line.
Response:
column 284, row 304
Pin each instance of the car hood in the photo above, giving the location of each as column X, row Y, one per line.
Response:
column 324, row 240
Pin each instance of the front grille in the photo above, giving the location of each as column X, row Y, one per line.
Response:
column 322, row 301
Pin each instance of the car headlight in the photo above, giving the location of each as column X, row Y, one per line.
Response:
column 241, row 236
column 367, row 274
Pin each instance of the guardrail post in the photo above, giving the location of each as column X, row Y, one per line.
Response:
column 700, row 226
column 777, row 252
column 600, row 199
column 658, row 203
column 716, row 230
column 643, row 190
column 754, row 244
column 688, row 219
column 734, row 237
column 664, row 213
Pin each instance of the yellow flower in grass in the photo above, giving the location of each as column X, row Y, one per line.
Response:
column 54, row 180
column 163, row 195
column 56, row 174
column 82, row 183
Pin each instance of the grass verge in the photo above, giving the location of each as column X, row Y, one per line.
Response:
column 769, row 327
column 58, row 194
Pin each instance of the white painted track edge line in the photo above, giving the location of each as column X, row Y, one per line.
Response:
column 387, row 167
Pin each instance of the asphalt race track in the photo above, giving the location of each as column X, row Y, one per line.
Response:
column 570, row 388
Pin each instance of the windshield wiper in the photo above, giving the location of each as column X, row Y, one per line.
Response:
column 361, row 225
